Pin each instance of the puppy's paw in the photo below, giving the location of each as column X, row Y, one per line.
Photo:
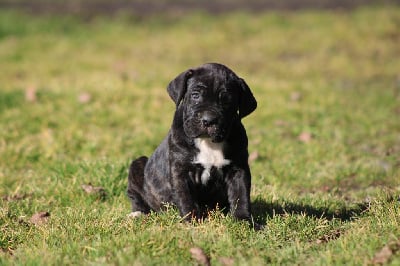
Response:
column 134, row 215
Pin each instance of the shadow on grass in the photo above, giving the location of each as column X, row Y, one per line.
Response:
column 262, row 210
column 177, row 7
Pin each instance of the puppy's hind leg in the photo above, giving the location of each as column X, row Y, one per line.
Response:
column 135, row 187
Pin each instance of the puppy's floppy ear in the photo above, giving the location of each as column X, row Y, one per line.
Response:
column 177, row 88
column 247, row 102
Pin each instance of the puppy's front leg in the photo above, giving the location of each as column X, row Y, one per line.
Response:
column 238, row 185
column 182, row 196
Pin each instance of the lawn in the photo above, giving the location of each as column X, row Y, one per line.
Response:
column 81, row 97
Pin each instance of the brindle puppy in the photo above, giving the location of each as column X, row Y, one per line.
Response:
column 203, row 161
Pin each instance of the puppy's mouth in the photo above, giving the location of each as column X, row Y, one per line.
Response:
column 215, row 133
column 200, row 126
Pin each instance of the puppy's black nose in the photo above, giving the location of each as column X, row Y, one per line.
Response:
column 209, row 118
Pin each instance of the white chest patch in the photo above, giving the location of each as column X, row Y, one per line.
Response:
column 210, row 154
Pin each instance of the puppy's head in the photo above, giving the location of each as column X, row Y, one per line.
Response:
column 212, row 96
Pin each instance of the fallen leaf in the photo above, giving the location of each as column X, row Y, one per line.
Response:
column 253, row 156
column 305, row 137
column 92, row 189
column 199, row 255
column 40, row 218
column 296, row 96
column 30, row 94
column 226, row 261
column 385, row 254
column 325, row 188
column 329, row 237
column 16, row 197
column 84, row 97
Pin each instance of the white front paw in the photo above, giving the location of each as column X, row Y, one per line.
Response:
column 135, row 214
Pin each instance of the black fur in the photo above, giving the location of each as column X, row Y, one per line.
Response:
column 210, row 102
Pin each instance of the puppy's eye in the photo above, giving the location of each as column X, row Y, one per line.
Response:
column 225, row 98
column 195, row 95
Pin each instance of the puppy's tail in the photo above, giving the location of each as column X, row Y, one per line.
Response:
column 135, row 187
column 136, row 176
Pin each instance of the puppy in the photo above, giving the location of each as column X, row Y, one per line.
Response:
column 203, row 161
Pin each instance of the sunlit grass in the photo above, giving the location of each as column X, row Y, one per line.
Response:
column 100, row 101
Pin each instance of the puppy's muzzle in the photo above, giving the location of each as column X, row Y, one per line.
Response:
column 209, row 119
column 212, row 125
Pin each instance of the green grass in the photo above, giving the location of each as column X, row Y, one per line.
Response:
column 331, row 200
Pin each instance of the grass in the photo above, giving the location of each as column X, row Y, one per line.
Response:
column 98, row 89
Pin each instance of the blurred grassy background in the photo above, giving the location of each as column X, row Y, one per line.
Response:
column 83, row 91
